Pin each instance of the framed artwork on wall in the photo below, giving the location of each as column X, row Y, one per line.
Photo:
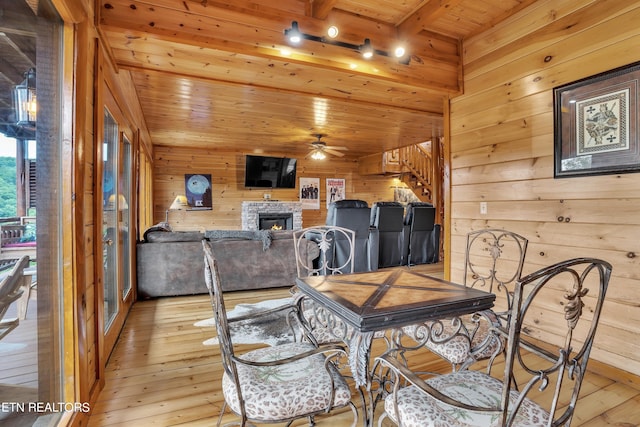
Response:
column 596, row 124
column 198, row 191
column 335, row 190
column 310, row 193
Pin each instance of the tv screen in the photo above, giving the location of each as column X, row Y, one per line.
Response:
column 270, row 172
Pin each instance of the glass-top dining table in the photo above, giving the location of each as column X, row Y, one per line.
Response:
column 355, row 307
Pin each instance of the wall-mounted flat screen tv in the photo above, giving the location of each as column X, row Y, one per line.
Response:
column 270, row 172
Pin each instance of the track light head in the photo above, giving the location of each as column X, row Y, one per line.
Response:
column 366, row 49
column 293, row 34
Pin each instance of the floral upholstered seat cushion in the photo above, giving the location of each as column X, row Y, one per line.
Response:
column 418, row 409
column 280, row 392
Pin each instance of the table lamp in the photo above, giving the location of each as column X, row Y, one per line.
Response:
column 179, row 203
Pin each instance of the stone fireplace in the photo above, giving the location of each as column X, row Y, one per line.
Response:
column 266, row 214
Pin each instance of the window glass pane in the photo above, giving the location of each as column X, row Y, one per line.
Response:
column 111, row 211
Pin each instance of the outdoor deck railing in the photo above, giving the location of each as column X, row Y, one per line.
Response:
column 15, row 240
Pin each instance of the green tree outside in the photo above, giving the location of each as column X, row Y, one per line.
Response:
column 8, row 198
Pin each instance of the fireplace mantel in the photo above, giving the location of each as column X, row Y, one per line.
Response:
column 250, row 211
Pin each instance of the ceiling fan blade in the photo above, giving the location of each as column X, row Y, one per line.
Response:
column 334, row 147
column 333, row 152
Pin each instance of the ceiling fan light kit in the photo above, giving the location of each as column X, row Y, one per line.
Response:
column 366, row 49
column 318, row 155
column 319, row 149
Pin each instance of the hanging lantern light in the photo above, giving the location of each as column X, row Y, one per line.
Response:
column 24, row 100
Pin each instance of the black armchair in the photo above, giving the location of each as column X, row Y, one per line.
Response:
column 387, row 218
column 423, row 246
column 355, row 215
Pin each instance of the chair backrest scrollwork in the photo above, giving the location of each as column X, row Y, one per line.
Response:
column 494, row 259
column 325, row 236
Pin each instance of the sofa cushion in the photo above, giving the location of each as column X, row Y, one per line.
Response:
column 174, row 236
column 262, row 235
column 281, row 234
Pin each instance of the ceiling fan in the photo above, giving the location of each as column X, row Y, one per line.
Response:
column 319, row 149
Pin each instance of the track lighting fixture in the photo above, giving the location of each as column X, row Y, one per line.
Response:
column 295, row 36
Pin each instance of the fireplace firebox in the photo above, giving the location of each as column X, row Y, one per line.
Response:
column 251, row 210
column 275, row 221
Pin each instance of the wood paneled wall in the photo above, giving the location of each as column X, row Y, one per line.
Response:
column 502, row 154
column 87, row 336
column 227, row 176
column 86, row 49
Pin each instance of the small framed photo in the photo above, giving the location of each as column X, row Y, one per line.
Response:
column 596, row 124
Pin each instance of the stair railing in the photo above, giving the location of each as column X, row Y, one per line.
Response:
column 419, row 163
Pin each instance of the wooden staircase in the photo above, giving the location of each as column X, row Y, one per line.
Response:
column 421, row 167
column 422, row 170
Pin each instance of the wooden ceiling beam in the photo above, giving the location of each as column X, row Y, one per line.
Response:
column 258, row 20
column 420, row 19
column 320, row 8
column 227, row 30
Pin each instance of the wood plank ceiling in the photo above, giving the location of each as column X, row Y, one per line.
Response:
column 215, row 74
column 212, row 73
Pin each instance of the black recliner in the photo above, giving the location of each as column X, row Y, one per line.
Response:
column 423, row 246
column 355, row 215
column 388, row 219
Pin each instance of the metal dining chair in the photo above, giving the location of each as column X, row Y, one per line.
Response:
column 494, row 259
column 279, row 383
column 539, row 383
column 325, row 237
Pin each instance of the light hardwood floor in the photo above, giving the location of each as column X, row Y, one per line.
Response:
column 160, row 373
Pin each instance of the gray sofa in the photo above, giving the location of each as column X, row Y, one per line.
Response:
column 172, row 263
